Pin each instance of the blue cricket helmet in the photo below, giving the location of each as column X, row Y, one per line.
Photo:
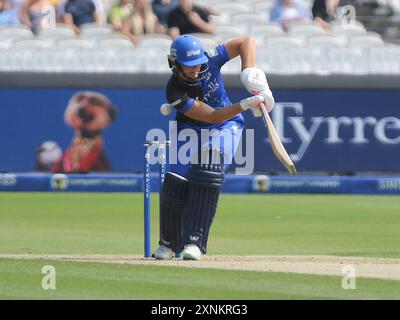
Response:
column 188, row 51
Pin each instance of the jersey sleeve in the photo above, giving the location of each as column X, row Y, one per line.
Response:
column 219, row 55
column 179, row 100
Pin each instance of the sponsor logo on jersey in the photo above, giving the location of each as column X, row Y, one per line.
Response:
column 175, row 103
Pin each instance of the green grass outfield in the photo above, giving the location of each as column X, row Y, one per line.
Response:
column 112, row 223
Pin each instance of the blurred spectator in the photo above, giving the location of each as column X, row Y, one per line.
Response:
column 189, row 18
column 33, row 12
column 119, row 12
column 60, row 10
column 141, row 21
column 162, row 8
column 324, row 12
column 78, row 12
column 102, row 14
column 7, row 15
column 16, row 5
column 98, row 4
column 286, row 12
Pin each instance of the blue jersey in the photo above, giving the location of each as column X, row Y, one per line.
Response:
column 211, row 90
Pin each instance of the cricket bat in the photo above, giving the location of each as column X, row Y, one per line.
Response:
column 276, row 143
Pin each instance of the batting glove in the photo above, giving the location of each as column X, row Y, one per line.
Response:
column 254, row 79
column 252, row 104
column 269, row 100
column 255, row 82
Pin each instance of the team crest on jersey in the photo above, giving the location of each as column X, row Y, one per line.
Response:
column 212, row 53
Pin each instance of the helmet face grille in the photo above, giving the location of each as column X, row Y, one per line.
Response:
column 201, row 75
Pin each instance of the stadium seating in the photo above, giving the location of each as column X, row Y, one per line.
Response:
column 262, row 33
column 61, row 32
column 12, row 34
column 346, row 31
column 305, row 48
column 385, row 60
column 155, row 44
column 228, row 9
column 263, row 7
column 93, row 32
column 232, row 66
column 208, row 41
column 369, row 40
column 76, row 45
column 325, row 42
column 283, row 42
column 31, row 45
column 302, row 31
column 26, row 54
column 218, row 20
column 116, row 44
column 247, row 20
column 5, row 45
column 227, row 32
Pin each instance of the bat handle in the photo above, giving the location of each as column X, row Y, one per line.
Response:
column 263, row 108
column 262, row 104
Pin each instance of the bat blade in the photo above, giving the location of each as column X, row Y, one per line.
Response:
column 276, row 143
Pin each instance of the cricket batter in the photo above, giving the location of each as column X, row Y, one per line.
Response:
column 190, row 192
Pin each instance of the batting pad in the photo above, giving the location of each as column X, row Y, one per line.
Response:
column 205, row 182
column 173, row 200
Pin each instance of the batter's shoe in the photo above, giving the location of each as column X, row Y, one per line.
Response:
column 164, row 253
column 191, row 252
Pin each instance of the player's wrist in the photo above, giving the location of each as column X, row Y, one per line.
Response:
column 243, row 105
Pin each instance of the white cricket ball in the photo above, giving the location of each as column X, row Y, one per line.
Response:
column 49, row 152
column 165, row 109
